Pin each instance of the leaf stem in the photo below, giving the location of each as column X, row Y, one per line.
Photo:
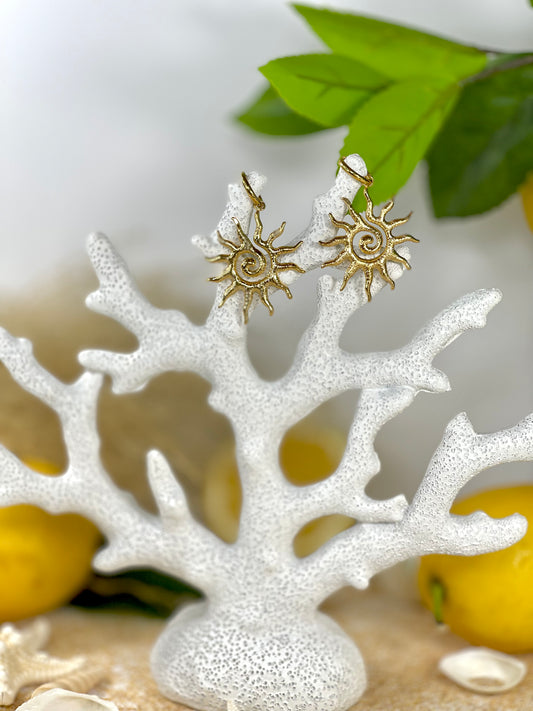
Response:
column 437, row 598
column 517, row 61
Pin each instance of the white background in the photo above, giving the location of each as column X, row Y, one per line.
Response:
column 117, row 116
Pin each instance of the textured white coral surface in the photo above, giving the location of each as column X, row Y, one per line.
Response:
column 258, row 639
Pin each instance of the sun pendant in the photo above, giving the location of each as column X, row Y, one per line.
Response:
column 253, row 265
column 368, row 244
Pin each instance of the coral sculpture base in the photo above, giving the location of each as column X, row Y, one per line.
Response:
column 265, row 663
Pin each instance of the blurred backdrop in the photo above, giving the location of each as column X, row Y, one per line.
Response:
column 117, row 116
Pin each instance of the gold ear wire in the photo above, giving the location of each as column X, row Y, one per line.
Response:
column 257, row 200
column 366, row 180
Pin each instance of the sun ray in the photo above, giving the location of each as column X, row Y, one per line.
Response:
column 274, row 235
column 253, row 264
column 232, row 288
column 281, row 285
column 287, row 249
column 225, row 243
column 257, row 232
column 385, row 274
column 339, row 223
column 369, row 277
column 247, row 303
column 395, row 257
column 266, row 300
column 348, row 275
column 387, row 207
column 405, row 238
column 336, row 261
column 353, row 214
column 367, row 244
column 333, row 241
column 283, row 266
column 241, row 234
column 224, row 274
column 400, row 221
column 369, row 212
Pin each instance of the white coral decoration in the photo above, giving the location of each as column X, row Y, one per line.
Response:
column 257, row 641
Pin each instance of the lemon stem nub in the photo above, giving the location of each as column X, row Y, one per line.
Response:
column 437, row 598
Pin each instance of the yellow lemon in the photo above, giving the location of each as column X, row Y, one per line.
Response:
column 526, row 192
column 44, row 559
column 306, row 456
column 486, row 599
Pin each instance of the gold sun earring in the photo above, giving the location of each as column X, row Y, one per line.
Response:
column 368, row 244
column 253, row 265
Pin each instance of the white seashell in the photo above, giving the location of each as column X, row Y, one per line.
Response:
column 81, row 681
column 63, row 700
column 483, row 670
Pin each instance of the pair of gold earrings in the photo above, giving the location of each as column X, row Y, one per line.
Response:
column 253, row 265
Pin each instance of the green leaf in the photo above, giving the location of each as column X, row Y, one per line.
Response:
column 394, row 129
column 396, row 51
column 270, row 114
column 485, row 150
column 326, row 88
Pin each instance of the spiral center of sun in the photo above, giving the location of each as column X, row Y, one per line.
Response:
column 368, row 244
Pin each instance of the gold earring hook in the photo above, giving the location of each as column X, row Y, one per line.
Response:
column 256, row 199
column 366, row 180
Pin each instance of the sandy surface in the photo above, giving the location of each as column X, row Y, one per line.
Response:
column 399, row 641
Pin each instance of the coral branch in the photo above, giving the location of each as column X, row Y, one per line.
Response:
column 470, row 311
column 462, row 454
column 175, row 542
column 410, row 367
column 305, row 386
column 355, row 556
column 343, row 492
column 167, row 339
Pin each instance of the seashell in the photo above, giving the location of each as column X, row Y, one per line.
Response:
column 64, row 700
column 483, row 670
column 82, row 680
column 21, row 662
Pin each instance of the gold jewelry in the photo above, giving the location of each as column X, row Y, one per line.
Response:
column 367, row 180
column 257, row 200
column 369, row 243
column 254, row 267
